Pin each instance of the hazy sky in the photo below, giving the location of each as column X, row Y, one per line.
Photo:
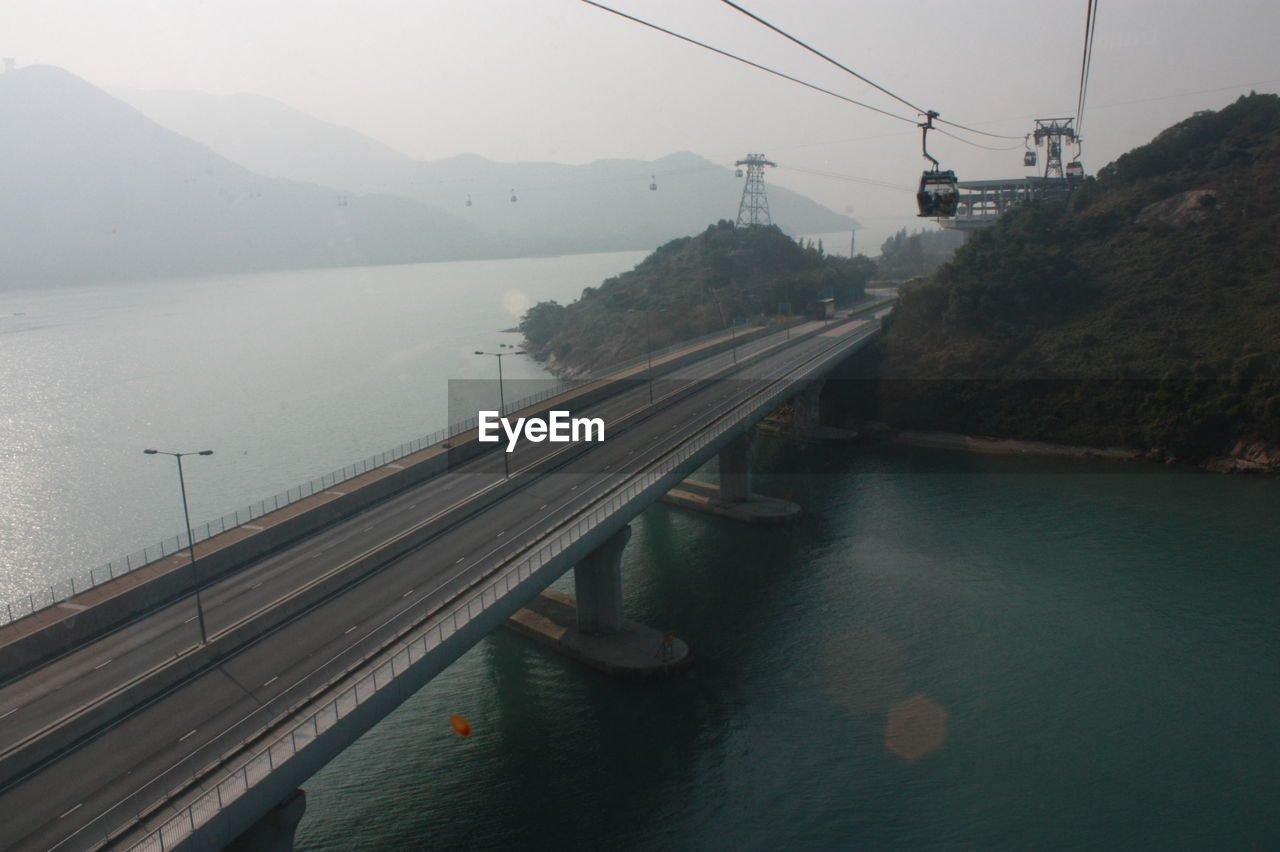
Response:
column 559, row 80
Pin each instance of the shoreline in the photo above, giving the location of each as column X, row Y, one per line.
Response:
column 1246, row 457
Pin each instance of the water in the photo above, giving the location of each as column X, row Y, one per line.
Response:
column 284, row 375
column 1094, row 645
column 1100, row 641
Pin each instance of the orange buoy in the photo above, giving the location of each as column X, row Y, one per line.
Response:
column 460, row 725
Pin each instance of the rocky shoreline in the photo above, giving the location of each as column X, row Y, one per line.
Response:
column 1245, row 456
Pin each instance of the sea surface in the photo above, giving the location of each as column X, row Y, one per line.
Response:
column 947, row 651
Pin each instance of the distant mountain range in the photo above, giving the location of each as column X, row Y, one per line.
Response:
column 151, row 184
column 94, row 190
column 560, row 209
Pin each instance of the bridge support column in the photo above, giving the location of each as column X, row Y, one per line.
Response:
column 604, row 639
column 806, row 409
column 597, row 582
column 735, row 470
column 733, row 498
column 275, row 831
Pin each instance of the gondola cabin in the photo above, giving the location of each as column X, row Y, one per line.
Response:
column 1075, row 170
column 1029, row 158
column 939, row 195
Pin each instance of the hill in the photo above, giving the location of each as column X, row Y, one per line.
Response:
column 1146, row 314
column 96, row 191
column 561, row 209
column 689, row 287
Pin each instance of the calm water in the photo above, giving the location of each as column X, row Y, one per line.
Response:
column 1097, row 649
column 284, row 375
column 947, row 652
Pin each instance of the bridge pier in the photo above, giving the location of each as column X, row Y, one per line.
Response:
column 733, row 497
column 597, row 582
column 593, row 629
column 275, row 831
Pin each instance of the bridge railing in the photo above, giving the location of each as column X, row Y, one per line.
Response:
column 436, row 630
column 70, row 586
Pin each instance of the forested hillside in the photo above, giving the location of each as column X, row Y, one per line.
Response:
column 688, row 287
column 1145, row 314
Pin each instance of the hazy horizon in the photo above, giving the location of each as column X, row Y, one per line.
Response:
column 562, row 82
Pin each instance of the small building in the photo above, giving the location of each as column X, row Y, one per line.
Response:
column 822, row 309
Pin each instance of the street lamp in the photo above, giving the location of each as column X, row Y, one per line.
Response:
column 502, row 400
column 191, row 544
column 648, row 337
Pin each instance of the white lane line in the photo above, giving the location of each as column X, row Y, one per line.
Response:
column 100, row 665
column 76, row 607
column 253, row 527
column 187, row 734
column 501, row 534
column 9, row 712
column 406, row 594
column 460, row 558
column 273, row 680
column 191, row 619
column 255, row 585
column 317, row 554
column 337, row 493
column 366, row 529
column 349, row 629
column 413, row 505
column 70, row 812
column 543, row 506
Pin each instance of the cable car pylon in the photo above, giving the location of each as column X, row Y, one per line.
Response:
column 754, row 207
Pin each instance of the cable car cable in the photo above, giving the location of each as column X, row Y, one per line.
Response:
column 746, row 61
column 847, row 70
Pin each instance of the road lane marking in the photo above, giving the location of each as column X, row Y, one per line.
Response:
column 349, row 629
column 9, row 712
column 366, row 529
column 66, row 814
column 191, row 619
column 543, row 506
column 100, row 665
column 406, row 594
column 255, row 585
column 187, row 734
column 460, row 558
column 273, row 680
column 253, row 527
column 501, row 534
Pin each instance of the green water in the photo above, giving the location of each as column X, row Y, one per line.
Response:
column 1092, row 649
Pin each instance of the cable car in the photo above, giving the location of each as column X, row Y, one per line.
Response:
column 468, row 200
column 513, row 195
column 1075, row 170
column 1029, row 158
column 737, row 173
column 653, row 183
column 939, row 194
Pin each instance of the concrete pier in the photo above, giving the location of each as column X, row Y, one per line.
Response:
column 597, row 581
column 275, row 831
column 633, row 651
column 708, row 498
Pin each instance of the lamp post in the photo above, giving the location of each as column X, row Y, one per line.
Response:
column 191, row 544
column 648, row 338
column 502, row 399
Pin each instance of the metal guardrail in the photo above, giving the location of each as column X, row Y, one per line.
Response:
column 446, row 623
column 67, row 588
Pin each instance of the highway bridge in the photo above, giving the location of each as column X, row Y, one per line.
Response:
column 119, row 728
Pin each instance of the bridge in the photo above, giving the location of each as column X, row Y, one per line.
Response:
column 120, row 728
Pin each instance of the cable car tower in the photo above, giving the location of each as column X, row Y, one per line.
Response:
column 1051, row 132
column 754, row 207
